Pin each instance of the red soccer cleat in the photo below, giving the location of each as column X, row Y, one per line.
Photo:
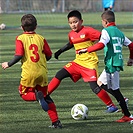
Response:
column 125, row 119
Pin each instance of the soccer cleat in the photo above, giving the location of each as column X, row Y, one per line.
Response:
column 111, row 109
column 56, row 124
column 125, row 119
column 42, row 102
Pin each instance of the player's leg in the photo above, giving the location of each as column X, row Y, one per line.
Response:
column 53, row 113
column 30, row 94
column 119, row 97
column 102, row 82
column 113, row 83
column 127, row 116
column 41, row 100
column 105, row 9
column 102, row 94
column 55, row 82
column 51, row 107
column 27, row 93
column 90, row 75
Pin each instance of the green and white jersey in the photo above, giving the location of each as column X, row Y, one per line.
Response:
column 113, row 39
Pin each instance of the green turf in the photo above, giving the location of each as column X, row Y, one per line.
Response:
column 60, row 20
column 18, row 116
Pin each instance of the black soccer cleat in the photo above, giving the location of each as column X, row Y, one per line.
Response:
column 56, row 124
column 40, row 99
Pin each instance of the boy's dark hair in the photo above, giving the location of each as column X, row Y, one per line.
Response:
column 28, row 22
column 109, row 16
column 75, row 13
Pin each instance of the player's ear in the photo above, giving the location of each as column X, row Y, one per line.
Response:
column 81, row 20
column 106, row 22
column 22, row 27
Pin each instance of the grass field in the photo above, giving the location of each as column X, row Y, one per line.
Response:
column 18, row 116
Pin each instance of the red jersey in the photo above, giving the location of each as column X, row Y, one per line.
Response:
column 84, row 39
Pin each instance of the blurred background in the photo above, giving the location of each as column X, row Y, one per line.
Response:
column 51, row 13
column 19, row 6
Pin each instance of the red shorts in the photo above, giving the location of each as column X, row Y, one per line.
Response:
column 28, row 93
column 78, row 71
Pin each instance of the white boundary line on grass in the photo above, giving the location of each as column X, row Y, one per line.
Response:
column 57, row 61
column 50, row 62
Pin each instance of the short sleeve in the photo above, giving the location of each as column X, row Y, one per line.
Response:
column 104, row 37
column 19, row 47
column 46, row 49
column 127, row 41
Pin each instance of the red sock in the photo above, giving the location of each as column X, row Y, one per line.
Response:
column 54, row 83
column 105, row 98
column 52, row 112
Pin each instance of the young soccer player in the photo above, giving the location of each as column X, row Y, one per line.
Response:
column 34, row 52
column 108, row 4
column 112, row 40
column 85, row 65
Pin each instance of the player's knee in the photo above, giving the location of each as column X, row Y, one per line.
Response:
column 94, row 86
column 96, row 90
column 61, row 74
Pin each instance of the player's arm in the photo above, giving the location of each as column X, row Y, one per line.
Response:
column 16, row 59
column 19, row 51
column 96, row 47
column 63, row 49
column 47, row 51
column 130, row 61
column 104, row 39
column 128, row 43
column 12, row 62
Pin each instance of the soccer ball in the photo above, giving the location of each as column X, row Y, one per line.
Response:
column 2, row 26
column 79, row 112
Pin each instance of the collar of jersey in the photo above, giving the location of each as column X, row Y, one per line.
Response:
column 111, row 24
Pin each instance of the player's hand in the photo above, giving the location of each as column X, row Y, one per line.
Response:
column 5, row 65
column 56, row 54
column 82, row 51
column 130, row 62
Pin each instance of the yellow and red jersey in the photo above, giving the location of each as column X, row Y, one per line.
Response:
column 84, row 39
column 34, row 49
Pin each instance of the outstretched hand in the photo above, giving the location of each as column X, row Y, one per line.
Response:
column 56, row 54
column 5, row 65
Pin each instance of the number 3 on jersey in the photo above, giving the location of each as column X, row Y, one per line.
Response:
column 35, row 57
